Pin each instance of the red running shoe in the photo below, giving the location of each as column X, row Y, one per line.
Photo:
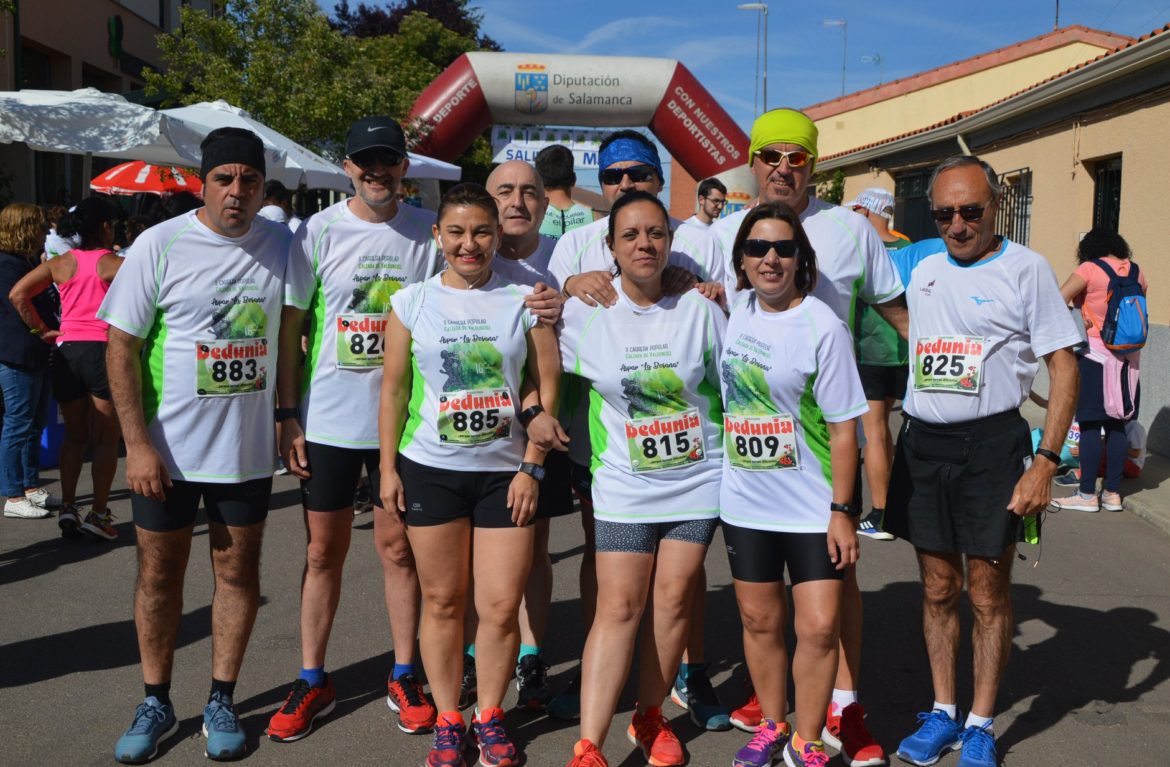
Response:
column 651, row 732
column 846, row 732
column 450, row 735
column 405, row 697
column 748, row 716
column 301, row 708
column 585, row 754
column 489, row 736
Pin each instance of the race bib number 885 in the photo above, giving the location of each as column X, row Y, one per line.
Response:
column 948, row 364
column 468, row 418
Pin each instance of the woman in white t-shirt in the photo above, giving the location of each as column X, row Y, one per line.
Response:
column 651, row 364
column 468, row 375
column 791, row 399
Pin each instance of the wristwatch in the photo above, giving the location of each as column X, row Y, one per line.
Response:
column 846, row 508
column 534, row 470
column 285, row 413
column 528, row 414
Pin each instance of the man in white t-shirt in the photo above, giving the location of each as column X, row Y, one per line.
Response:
column 853, row 266
column 345, row 263
column 712, row 196
column 965, row 486
column 194, row 318
column 523, row 257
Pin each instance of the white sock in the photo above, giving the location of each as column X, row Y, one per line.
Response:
column 950, row 709
column 842, row 698
column 979, row 721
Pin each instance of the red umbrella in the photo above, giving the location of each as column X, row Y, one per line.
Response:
column 138, row 176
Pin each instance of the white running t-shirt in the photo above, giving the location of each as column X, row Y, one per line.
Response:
column 977, row 333
column 208, row 308
column 531, row 270
column 785, row 376
column 852, row 261
column 343, row 270
column 468, row 354
column 655, row 418
column 584, row 250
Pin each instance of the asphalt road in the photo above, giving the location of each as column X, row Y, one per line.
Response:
column 1087, row 682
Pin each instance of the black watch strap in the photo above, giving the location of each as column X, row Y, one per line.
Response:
column 534, row 470
column 528, row 414
column 1044, row 452
column 845, row 508
column 285, row 413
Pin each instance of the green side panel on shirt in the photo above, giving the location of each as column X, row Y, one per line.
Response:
column 414, row 406
column 598, row 436
column 316, row 334
column 816, row 431
column 714, row 397
column 154, row 367
column 878, row 343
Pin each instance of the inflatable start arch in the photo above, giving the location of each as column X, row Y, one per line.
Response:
column 483, row 88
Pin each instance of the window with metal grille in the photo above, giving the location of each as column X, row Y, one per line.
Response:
column 1107, row 194
column 1015, row 209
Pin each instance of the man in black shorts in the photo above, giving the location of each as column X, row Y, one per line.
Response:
column 965, row 485
column 193, row 315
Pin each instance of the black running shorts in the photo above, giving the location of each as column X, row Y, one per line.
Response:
column 556, row 490
column 882, row 382
column 951, row 484
column 79, row 369
column 438, row 496
column 240, row 504
column 760, row 556
column 334, row 476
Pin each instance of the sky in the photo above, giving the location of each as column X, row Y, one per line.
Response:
column 718, row 43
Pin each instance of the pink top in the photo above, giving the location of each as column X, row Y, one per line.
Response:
column 81, row 295
column 1095, row 300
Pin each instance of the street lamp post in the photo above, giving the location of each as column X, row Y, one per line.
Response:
column 763, row 9
column 844, row 25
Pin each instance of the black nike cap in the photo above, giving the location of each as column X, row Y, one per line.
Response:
column 370, row 132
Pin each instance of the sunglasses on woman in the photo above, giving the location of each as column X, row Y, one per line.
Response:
column 760, row 248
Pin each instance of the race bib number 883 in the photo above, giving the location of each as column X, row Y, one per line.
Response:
column 229, row 367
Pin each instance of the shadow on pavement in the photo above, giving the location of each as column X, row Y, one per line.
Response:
column 45, row 556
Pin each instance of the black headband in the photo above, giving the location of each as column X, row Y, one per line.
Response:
column 230, row 150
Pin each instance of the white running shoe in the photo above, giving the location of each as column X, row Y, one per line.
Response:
column 23, row 508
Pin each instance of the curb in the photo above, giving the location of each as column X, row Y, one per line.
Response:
column 1158, row 517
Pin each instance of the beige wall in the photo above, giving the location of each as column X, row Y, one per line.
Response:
column 1062, row 162
column 929, row 105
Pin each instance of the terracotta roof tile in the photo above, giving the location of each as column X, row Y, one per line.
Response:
column 1046, row 42
column 1129, row 43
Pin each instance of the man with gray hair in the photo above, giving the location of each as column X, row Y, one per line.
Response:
column 983, row 312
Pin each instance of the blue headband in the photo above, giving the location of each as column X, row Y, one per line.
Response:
column 629, row 149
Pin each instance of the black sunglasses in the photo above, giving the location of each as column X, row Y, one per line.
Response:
column 967, row 212
column 368, row 158
column 637, row 174
column 760, row 248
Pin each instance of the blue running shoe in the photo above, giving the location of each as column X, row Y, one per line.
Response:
column 221, row 727
column 566, row 705
column 978, row 747
column 937, row 734
column 153, row 723
column 695, row 693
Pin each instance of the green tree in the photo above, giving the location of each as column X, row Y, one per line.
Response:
column 830, row 186
column 285, row 63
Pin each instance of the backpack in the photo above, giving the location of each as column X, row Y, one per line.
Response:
column 1127, row 319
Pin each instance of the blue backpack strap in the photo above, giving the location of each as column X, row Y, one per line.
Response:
column 1103, row 266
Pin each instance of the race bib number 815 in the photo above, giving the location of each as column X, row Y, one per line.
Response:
column 948, row 364
column 228, row 367
column 662, row 442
